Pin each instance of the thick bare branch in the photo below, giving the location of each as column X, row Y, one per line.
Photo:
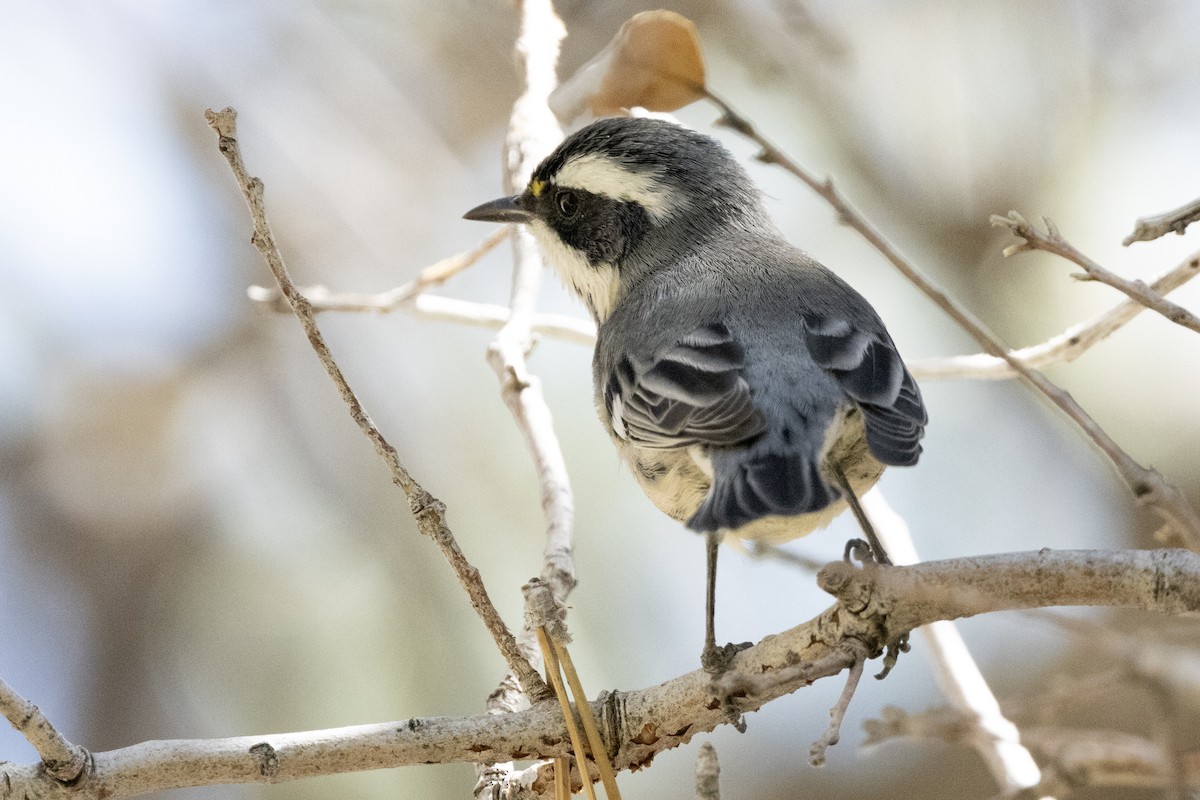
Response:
column 877, row 605
column 1051, row 241
column 428, row 511
column 1148, row 229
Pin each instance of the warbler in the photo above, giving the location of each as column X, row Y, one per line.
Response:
column 750, row 390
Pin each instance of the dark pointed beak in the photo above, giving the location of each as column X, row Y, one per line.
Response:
column 506, row 209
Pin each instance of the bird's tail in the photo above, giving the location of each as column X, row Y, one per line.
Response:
column 746, row 489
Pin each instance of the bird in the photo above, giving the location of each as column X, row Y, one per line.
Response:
column 750, row 390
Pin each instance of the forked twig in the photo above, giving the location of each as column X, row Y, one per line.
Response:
column 62, row 760
column 1051, row 241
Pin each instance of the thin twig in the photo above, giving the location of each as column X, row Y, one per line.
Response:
column 428, row 511
column 591, row 728
column 554, row 673
column 1066, row 346
column 435, row 307
column 1148, row 229
column 1051, row 241
column 1174, row 665
column 1166, row 726
column 833, row 732
column 321, row 299
column 1147, row 485
column 777, row 553
column 62, row 760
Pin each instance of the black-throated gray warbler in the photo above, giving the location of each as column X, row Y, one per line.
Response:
column 749, row 389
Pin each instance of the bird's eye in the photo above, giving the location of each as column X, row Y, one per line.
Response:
column 568, row 203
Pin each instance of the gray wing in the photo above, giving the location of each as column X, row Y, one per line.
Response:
column 870, row 372
column 691, row 393
column 780, row 473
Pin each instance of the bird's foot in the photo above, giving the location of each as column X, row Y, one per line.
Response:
column 717, row 660
column 862, row 551
column 892, row 654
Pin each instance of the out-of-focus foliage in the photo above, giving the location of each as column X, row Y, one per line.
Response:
column 195, row 540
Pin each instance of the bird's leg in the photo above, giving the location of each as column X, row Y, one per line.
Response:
column 715, row 660
column 712, row 541
column 878, row 554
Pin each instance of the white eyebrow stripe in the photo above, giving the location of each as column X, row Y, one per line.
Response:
column 600, row 175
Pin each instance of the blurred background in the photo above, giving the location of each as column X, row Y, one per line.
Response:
column 195, row 539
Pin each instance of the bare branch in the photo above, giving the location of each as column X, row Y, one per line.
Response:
column 1075, row 757
column 1148, row 229
column 877, row 605
column 1175, row 666
column 1150, row 579
column 62, row 760
column 1066, row 346
column 533, row 133
column 833, row 732
column 1147, row 485
column 321, row 299
column 428, row 511
column 961, row 681
column 1051, row 241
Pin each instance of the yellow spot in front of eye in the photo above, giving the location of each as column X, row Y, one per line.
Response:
column 536, row 187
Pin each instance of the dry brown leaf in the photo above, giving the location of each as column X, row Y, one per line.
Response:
column 653, row 62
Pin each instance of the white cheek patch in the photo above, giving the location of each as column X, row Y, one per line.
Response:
column 599, row 175
column 595, row 284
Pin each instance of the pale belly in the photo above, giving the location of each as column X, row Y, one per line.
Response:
column 677, row 481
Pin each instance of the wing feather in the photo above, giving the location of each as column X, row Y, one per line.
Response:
column 691, row 393
column 869, row 369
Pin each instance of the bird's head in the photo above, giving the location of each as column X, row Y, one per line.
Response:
column 624, row 196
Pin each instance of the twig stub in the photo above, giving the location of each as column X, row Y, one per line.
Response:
column 1148, row 229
